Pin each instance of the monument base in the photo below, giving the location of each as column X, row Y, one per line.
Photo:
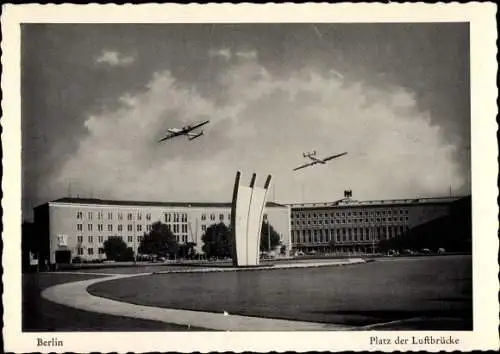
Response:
column 254, row 266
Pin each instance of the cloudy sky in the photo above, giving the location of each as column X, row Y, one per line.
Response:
column 97, row 98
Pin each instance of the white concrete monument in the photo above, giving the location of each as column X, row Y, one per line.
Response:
column 246, row 221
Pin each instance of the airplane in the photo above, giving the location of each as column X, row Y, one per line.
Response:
column 316, row 160
column 185, row 131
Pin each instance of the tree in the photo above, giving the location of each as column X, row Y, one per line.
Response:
column 267, row 229
column 116, row 249
column 217, row 241
column 29, row 243
column 159, row 241
column 187, row 250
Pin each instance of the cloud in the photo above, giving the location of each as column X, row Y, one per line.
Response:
column 262, row 123
column 247, row 55
column 114, row 58
column 224, row 53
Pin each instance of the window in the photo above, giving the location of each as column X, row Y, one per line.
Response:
column 212, row 216
column 101, row 239
column 184, row 217
column 129, row 216
column 79, row 227
column 89, row 215
column 120, row 216
column 99, row 215
column 79, row 239
column 148, row 217
column 129, row 227
column 139, row 238
column 139, row 216
column 99, row 227
column 90, row 251
column 80, row 251
column 176, row 217
column 139, row 227
column 79, row 215
column 120, row 227
column 110, row 216
column 110, row 227
column 221, row 217
column 89, row 227
column 130, row 239
column 91, row 239
column 148, row 227
column 101, row 250
column 184, row 228
column 203, row 217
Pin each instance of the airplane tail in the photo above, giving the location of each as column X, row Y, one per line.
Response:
column 195, row 136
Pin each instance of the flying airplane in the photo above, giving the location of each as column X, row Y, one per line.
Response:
column 316, row 160
column 173, row 132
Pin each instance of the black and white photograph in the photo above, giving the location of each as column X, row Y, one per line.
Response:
column 306, row 177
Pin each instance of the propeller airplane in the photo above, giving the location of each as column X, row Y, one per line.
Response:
column 315, row 160
column 187, row 131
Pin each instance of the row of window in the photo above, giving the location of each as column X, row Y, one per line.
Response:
column 347, row 221
column 101, row 239
column 175, row 217
column 169, row 217
column 349, row 213
column 100, row 215
column 176, row 228
column 90, row 251
column 346, row 234
column 100, row 227
column 130, row 239
column 212, row 217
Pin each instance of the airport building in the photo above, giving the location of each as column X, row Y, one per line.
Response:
column 348, row 226
column 70, row 227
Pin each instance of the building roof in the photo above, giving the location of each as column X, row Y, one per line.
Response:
column 71, row 200
column 348, row 202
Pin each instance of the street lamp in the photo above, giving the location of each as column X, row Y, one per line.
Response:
column 268, row 236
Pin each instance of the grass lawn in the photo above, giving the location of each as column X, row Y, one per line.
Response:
column 438, row 290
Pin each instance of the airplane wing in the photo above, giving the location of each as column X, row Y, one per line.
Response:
column 170, row 136
column 305, row 165
column 334, row 156
column 194, row 127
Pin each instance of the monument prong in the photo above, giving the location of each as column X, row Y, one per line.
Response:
column 252, row 181
column 268, row 182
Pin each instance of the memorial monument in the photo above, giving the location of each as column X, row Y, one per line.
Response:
column 247, row 211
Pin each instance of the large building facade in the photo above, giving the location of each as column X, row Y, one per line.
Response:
column 349, row 226
column 79, row 227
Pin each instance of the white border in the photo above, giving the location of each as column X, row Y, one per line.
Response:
column 484, row 171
